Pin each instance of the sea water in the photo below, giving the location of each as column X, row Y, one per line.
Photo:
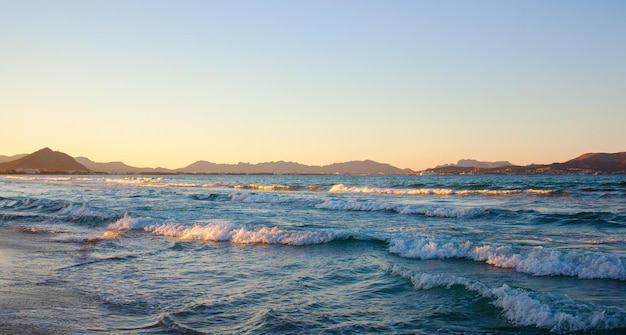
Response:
column 315, row 254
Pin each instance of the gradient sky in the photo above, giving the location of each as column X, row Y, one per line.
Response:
column 410, row 83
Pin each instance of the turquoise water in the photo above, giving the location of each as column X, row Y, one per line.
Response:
column 321, row 254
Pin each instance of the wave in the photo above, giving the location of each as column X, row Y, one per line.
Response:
column 445, row 212
column 344, row 205
column 228, row 232
column 610, row 240
column 593, row 218
column 165, row 182
column 83, row 213
column 536, row 261
column 44, row 209
column 38, row 178
column 277, row 187
column 32, row 204
column 264, row 198
column 558, row 313
column 340, row 188
column 206, row 197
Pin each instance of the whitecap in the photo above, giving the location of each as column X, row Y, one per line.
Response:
column 432, row 211
column 228, row 232
column 558, row 313
column 536, row 261
column 340, row 188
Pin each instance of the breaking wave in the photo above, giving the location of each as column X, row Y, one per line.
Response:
column 228, row 232
column 558, row 313
column 536, row 261
column 445, row 212
column 340, row 188
column 83, row 213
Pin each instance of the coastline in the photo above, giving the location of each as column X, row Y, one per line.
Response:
column 30, row 302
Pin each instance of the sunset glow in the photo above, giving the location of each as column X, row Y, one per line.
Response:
column 410, row 83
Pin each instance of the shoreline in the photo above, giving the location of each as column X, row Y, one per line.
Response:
column 30, row 302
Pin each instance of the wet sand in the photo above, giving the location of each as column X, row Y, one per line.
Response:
column 30, row 303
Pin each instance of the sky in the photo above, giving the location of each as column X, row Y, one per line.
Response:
column 411, row 83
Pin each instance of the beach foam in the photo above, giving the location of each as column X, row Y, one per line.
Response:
column 558, row 313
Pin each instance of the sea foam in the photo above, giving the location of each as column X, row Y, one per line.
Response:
column 228, row 232
column 340, row 188
column 537, row 261
column 558, row 313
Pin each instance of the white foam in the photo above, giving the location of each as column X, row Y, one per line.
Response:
column 241, row 235
column 127, row 223
column 537, row 261
column 255, row 198
column 80, row 211
column 260, row 187
column 39, row 178
column 228, row 232
column 340, row 188
column 447, row 212
column 134, row 181
column 558, row 313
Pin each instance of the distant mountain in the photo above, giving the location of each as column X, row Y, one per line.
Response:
column 282, row 167
column 48, row 161
column 471, row 163
column 590, row 163
column 615, row 162
column 482, row 165
column 362, row 167
column 118, row 167
column 44, row 161
column 10, row 158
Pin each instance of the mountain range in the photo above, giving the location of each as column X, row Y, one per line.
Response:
column 471, row 163
column 49, row 161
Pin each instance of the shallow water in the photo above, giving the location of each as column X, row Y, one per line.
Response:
column 313, row 254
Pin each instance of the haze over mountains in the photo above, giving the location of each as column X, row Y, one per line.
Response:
column 49, row 161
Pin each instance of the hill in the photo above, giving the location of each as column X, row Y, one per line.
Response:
column 48, row 161
column 472, row 163
column 608, row 163
column 44, row 161
column 4, row 159
column 282, row 167
column 590, row 163
column 363, row 167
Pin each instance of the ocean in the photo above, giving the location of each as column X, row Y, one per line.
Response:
column 312, row 254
